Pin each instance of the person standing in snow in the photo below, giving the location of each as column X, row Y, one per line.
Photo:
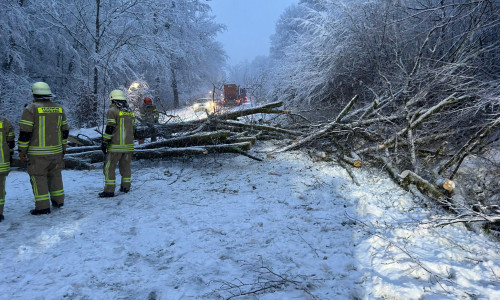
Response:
column 118, row 144
column 149, row 116
column 42, row 144
column 6, row 149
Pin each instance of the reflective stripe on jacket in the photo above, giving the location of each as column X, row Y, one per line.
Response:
column 149, row 114
column 6, row 135
column 122, row 138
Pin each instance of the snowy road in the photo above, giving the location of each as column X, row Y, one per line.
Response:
column 217, row 226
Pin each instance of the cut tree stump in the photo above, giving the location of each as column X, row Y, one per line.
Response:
column 423, row 185
column 354, row 160
column 447, row 184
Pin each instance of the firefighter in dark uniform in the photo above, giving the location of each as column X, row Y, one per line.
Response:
column 42, row 144
column 6, row 149
column 118, row 143
column 149, row 117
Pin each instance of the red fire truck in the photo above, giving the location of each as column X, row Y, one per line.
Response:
column 234, row 95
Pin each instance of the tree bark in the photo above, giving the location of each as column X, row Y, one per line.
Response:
column 237, row 148
column 151, row 153
column 423, row 185
column 79, row 141
column 73, row 150
column 190, row 140
column 267, row 108
column 261, row 127
column 69, row 163
column 354, row 160
column 89, row 156
column 175, row 88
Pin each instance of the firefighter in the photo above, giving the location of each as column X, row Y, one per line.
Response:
column 149, row 116
column 6, row 149
column 42, row 144
column 118, row 143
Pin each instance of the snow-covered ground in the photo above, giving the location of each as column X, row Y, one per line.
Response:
column 216, row 226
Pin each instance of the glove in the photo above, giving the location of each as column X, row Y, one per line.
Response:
column 23, row 157
column 104, row 148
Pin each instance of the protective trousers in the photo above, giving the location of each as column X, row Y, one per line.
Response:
column 2, row 192
column 152, row 132
column 112, row 159
column 46, row 180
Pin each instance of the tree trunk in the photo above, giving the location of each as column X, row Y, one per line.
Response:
column 69, row 163
column 93, row 117
column 423, row 185
column 354, row 160
column 262, row 127
column 175, row 88
column 191, row 140
column 237, row 148
column 266, row 108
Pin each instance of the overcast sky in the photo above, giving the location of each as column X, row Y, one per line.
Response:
column 249, row 25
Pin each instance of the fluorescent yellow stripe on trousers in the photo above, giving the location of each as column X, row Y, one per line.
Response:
column 35, row 191
column 108, row 181
column 33, row 183
column 1, row 147
column 57, row 193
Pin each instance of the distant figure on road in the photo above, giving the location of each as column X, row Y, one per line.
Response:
column 149, row 117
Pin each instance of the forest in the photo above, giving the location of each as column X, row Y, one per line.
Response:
column 408, row 85
column 85, row 49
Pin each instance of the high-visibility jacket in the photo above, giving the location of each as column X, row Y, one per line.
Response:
column 121, row 139
column 149, row 114
column 47, row 128
column 6, row 145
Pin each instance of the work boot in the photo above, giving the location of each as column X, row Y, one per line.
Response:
column 124, row 190
column 1, row 218
column 40, row 211
column 106, row 194
column 57, row 205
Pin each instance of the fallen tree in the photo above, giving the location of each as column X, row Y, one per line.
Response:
column 188, row 138
column 398, row 138
column 69, row 163
column 401, row 138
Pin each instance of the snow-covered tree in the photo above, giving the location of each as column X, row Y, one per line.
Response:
column 84, row 49
column 327, row 50
column 15, row 28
